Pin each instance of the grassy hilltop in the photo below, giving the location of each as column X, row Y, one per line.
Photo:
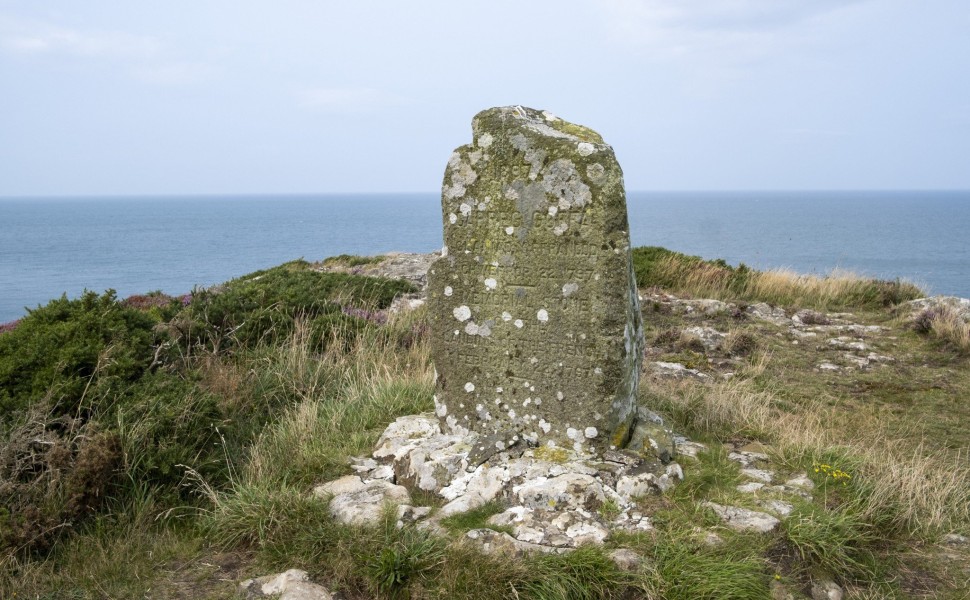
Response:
column 164, row 447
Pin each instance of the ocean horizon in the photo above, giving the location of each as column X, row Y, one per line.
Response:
column 51, row 246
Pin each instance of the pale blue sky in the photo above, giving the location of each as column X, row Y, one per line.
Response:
column 301, row 96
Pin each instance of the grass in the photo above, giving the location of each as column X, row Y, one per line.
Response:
column 692, row 276
column 945, row 325
column 281, row 409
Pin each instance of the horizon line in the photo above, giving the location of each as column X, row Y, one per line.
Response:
column 213, row 195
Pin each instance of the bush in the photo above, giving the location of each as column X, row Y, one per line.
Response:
column 54, row 471
column 72, row 350
column 262, row 306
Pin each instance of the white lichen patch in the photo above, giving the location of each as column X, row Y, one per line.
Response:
column 572, row 433
column 452, row 218
column 585, row 148
column 544, row 425
column 559, row 396
column 448, row 290
column 471, row 328
column 590, row 432
column 506, row 316
column 490, row 283
column 533, row 360
column 462, row 313
column 509, row 230
column 464, row 209
column 519, row 323
column 553, row 211
column 595, row 172
column 560, row 229
column 542, row 315
column 569, row 289
column 469, row 387
column 485, row 140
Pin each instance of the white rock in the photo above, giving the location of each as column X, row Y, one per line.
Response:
column 291, row 585
column 779, row 507
column 669, row 370
column 400, row 435
column 471, row 490
column 710, row 338
column 847, row 343
column 626, row 559
column 742, row 519
column 826, row 590
column 765, row 312
column 751, row 487
column 758, row 474
column 573, row 490
column 359, row 503
column 802, row 481
column 499, row 542
column 631, row 486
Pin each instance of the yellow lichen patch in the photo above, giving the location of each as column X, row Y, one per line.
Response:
column 552, row 454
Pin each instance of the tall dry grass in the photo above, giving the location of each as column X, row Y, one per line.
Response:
column 948, row 326
column 907, row 486
column 839, row 288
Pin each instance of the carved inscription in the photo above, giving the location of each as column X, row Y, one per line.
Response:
column 535, row 325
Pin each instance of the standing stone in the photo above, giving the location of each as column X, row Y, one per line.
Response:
column 536, row 327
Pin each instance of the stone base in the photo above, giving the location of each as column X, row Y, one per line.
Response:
column 556, row 499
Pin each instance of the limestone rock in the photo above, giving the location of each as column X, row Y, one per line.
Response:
column 535, row 320
column 651, row 438
column 551, row 528
column 765, row 312
column 626, row 559
column 291, row 585
column 826, row 589
column 353, row 501
column 961, row 306
column 403, row 434
column 669, row 370
column 742, row 519
column 499, row 542
column 710, row 338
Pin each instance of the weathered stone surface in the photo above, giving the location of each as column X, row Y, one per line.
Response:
column 742, row 519
column 499, row 542
column 826, row 589
column 626, row 559
column 291, row 585
column 354, row 501
column 536, row 331
column 669, row 370
column 651, row 438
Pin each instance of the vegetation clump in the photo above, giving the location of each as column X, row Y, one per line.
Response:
column 156, row 441
column 693, row 276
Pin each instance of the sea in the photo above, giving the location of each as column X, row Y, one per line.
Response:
column 133, row 245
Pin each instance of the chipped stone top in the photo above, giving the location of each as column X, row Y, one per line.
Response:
column 539, row 122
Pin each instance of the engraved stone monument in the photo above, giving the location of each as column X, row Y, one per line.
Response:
column 536, row 327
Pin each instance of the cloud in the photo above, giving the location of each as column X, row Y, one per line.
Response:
column 29, row 37
column 145, row 59
column 346, row 99
column 723, row 30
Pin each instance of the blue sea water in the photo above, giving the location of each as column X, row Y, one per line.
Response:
column 50, row 246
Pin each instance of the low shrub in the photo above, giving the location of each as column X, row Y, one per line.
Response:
column 71, row 351
column 263, row 306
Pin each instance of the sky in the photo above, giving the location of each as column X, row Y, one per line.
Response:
column 313, row 96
